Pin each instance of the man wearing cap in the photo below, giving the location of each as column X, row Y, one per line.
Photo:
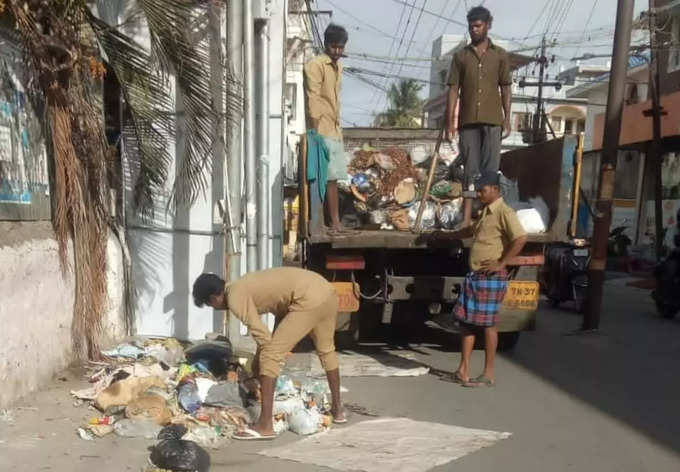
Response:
column 480, row 76
column 497, row 236
column 303, row 302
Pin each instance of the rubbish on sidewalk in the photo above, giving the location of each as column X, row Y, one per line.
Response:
column 136, row 428
column 305, row 421
column 226, row 394
column 387, row 444
column 284, row 387
column 104, row 420
column 126, row 390
column 100, row 430
column 85, row 435
column 288, row 406
column 204, row 385
column 124, row 350
column 149, row 406
column 187, row 396
column 208, row 436
column 169, row 351
column 230, row 416
column 215, row 355
column 174, row 453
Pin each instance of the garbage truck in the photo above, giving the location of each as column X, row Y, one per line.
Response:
column 391, row 280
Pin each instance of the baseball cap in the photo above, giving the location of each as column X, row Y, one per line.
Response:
column 487, row 178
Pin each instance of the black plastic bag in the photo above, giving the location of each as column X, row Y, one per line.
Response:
column 215, row 355
column 174, row 453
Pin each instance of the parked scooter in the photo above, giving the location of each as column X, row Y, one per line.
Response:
column 567, row 274
column 667, row 275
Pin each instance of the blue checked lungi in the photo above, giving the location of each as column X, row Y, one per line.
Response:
column 480, row 298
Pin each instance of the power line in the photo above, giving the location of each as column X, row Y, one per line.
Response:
column 415, row 28
column 590, row 17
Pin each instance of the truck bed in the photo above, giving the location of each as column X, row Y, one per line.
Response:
column 360, row 239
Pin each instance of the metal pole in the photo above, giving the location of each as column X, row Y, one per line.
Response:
column 538, row 117
column 655, row 146
column 262, row 139
column 249, row 136
column 234, row 49
column 612, row 131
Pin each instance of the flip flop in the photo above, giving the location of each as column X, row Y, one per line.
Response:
column 454, row 378
column 342, row 421
column 480, row 381
column 252, row 435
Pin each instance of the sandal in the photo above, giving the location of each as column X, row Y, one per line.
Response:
column 455, row 378
column 481, row 381
column 249, row 434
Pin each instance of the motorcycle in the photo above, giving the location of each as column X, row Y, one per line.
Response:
column 667, row 274
column 567, row 274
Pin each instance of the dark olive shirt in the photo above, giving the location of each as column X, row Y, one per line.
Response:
column 479, row 80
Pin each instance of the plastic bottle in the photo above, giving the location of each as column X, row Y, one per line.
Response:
column 136, row 428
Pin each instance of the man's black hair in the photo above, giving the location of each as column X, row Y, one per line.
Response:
column 479, row 14
column 205, row 286
column 335, row 34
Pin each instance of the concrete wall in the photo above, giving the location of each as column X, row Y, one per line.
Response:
column 37, row 308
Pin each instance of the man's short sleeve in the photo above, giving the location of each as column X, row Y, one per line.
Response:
column 504, row 72
column 512, row 228
column 454, row 71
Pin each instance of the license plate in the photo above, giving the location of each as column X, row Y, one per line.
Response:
column 581, row 252
column 348, row 299
column 521, row 295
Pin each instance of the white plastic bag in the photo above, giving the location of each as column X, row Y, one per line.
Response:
column 288, row 406
column 542, row 209
column 531, row 221
column 305, row 421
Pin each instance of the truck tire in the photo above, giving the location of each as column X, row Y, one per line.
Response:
column 507, row 341
column 666, row 311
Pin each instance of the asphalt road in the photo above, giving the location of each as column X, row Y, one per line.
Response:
column 599, row 402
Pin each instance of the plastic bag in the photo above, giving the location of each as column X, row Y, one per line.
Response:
column 174, row 453
column 378, row 217
column 284, row 387
column 451, row 214
column 429, row 215
column 316, row 390
column 448, row 151
column 288, row 406
column 305, row 421
column 136, row 428
column 441, row 189
column 280, row 426
column 207, row 436
column 531, row 221
column 215, row 355
column 188, row 397
column 170, row 351
column 226, row 394
column 542, row 208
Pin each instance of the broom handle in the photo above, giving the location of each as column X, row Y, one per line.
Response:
column 430, row 177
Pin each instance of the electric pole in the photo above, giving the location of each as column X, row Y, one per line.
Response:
column 654, row 149
column 612, row 131
column 538, row 125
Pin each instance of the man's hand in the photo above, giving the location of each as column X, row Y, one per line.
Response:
column 507, row 129
column 492, row 267
column 451, row 133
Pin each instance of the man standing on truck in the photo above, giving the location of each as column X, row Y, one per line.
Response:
column 322, row 77
column 304, row 302
column 480, row 76
column 497, row 236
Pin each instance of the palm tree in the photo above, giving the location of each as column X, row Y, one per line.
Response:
column 68, row 51
column 405, row 106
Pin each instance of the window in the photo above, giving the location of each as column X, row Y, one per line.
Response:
column 581, row 126
column 569, row 126
column 674, row 51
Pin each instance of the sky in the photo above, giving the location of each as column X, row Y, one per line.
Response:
column 391, row 31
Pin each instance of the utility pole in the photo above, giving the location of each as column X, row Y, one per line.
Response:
column 538, row 125
column 654, row 149
column 612, row 131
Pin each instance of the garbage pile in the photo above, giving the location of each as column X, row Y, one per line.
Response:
column 202, row 389
column 386, row 186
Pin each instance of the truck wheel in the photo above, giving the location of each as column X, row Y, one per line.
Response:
column 666, row 311
column 508, row 341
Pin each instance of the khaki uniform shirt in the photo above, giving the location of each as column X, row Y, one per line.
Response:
column 277, row 291
column 479, row 79
column 322, row 94
column 497, row 227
